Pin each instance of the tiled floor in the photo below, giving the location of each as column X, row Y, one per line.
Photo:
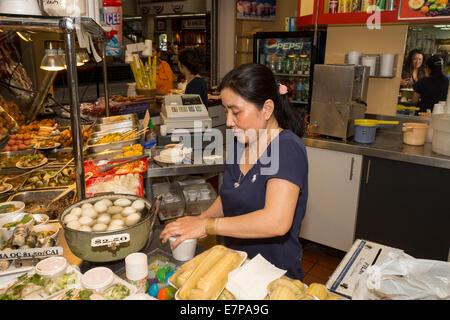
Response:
column 319, row 262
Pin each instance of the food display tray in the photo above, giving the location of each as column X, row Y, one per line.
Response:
column 115, row 119
column 129, row 124
column 173, row 209
column 199, row 205
column 48, row 168
column 101, row 134
column 95, row 148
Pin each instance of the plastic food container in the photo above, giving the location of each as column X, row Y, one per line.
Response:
column 414, row 133
column 173, row 204
column 52, row 267
column 206, row 195
column 97, row 279
column 365, row 129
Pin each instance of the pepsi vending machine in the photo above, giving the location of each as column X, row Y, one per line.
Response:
column 291, row 56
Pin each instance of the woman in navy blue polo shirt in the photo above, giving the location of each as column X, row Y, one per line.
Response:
column 262, row 201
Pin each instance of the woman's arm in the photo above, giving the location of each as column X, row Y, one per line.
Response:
column 214, row 211
column 275, row 219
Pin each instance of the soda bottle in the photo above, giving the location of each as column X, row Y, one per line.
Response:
column 151, row 139
column 333, row 6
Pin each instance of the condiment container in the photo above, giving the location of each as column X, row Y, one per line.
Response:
column 414, row 133
column 52, row 267
column 97, row 279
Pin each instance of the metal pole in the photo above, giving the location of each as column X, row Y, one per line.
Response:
column 105, row 79
column 68, row 27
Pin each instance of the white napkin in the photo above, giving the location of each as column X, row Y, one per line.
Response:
column 250, row 281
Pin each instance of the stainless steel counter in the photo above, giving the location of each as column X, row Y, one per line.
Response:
column 388, row 144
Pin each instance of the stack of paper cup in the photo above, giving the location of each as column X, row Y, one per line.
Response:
column 387, row 65
column 136, row 270
column 353, row 57
column 371, row 62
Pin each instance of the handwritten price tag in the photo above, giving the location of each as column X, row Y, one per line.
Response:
column 110, row 240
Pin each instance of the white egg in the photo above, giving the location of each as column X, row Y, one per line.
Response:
column 113, row 227
column 117, row 222
column 86, row 221
column 76, row 211
column 139, row 205
column 127, row 211
column 114, row 210
column 87, row 205
column 73, row 224
column 89, row 212
column 117, row 216
column 132, row 219
column 104, row 218
column 70, row 217
column 100, row 207
column 107, row 202
column 122, row 202
column 85, row 228
column 99, row 227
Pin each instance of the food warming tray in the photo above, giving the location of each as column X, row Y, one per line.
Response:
column 128, row 124
column 115, row 119
column 94, row 148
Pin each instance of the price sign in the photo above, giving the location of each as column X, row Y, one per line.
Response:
column 109, row 241
column 31, row 253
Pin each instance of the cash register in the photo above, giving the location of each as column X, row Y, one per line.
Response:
column 184, row 112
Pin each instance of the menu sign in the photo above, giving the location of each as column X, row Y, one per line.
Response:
column 256, row 9
column 424, row 10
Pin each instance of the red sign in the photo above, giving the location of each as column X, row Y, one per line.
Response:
column 422, row 9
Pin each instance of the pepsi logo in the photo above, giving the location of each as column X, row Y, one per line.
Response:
column 272, row 43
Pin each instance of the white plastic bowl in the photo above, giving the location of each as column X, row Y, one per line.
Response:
column 52, row 267
column 97, row 279
column 6, row 233
column 47, row 227
column 18, row 204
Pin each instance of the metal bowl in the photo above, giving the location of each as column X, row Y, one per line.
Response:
column 85, row 244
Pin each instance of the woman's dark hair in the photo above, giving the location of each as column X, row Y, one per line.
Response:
column 190, row 59
column 410, row 58
column 436, row 66
column 256, row 83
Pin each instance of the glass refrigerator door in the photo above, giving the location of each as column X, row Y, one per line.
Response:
column 290, row 60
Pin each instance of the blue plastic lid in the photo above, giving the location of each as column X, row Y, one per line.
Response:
column 148, row 144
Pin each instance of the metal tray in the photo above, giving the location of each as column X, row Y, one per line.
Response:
column 41, row 195
column 100, row 134
column 53, row 168
column 106, row 155
column 114, row 146
column 129, row 124
column 114, row 119
column 10, row 154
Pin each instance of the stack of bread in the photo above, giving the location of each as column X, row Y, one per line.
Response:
column 205, row 276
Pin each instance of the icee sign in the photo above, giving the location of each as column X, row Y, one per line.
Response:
column 112, row 18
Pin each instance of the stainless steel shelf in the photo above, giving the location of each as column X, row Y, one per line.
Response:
column 16, row 22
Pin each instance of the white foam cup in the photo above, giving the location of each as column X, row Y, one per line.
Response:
column 185, row 250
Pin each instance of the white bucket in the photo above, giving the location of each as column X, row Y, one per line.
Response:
column 27, row 7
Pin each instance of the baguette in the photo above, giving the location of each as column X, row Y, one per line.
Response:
column 217, row 276
column 181, row 275
column 295, row 285
column 214, row 255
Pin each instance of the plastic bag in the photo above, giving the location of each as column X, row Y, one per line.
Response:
column 399, row 276
column 62, row 8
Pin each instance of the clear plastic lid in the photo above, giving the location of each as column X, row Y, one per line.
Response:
column 97, row 278
column 51, row 266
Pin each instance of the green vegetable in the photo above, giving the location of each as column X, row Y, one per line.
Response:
column 85, row 294
column 116, row 292
column 7, row 208
column 27, row 218
column 433, row 7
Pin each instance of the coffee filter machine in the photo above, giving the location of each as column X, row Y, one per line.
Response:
column 338, row 98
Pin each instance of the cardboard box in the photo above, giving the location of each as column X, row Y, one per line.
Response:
column 362, row 255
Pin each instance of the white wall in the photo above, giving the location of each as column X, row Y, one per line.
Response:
column 226, row 34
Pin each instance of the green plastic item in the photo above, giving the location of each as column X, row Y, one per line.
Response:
column 161, row 273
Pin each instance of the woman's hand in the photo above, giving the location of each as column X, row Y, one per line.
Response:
column 185, row 228
column 404, row 82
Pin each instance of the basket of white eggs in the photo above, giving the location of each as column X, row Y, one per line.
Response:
column 108, row 227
